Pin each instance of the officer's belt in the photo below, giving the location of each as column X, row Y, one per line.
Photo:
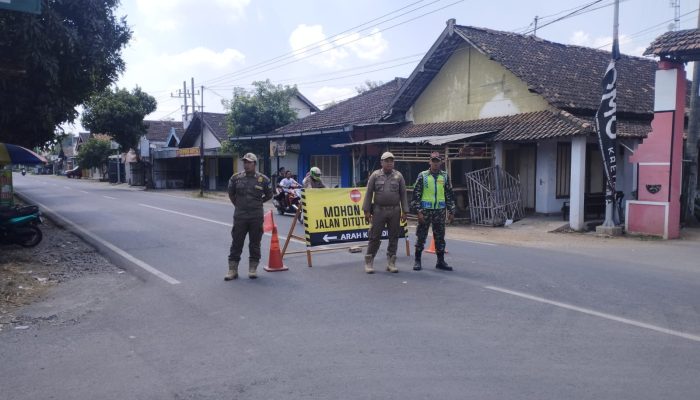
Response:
column 385, row 207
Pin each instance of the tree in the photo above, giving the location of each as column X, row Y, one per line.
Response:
column 52, row 62
column 261, row 110
column 367, row 86
column 119, row 114
column 94, row 153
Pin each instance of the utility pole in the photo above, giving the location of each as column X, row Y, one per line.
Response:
column 535, row 31
column 183, row 94
column 691, row 145
column 201, row 143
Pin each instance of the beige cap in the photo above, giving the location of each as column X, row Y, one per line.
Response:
column 251, row 157
column 387, row 155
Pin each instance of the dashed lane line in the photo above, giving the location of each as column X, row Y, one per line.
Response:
column 598, row 314
column 109, row 197
column 281, row 237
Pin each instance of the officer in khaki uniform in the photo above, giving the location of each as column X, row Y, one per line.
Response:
column 385, row 205
column 248, row 190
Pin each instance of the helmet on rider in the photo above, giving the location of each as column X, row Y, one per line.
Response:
column 315, row 173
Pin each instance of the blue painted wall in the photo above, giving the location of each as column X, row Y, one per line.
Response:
column 321, row 145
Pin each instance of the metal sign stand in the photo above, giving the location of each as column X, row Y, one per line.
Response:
column 308, row 252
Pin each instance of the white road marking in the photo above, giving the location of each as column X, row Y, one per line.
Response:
column 594, row 313
column 146, row 267
column 281, row 237
column 474, row 241
column 67, row 187
column 187, row 215
column 82, row 191
column 109, row 197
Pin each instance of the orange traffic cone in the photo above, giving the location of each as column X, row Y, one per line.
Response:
column 274, row 262
column 431, row 249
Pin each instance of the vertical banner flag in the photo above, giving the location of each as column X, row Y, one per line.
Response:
column 606, row 121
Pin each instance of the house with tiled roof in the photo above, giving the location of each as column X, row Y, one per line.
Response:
column 309, row 140
column 520, row 102
column 177, row 163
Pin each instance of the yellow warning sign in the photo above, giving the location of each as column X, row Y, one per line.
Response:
column 335, row 216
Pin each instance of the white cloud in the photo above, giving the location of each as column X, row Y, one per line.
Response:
column 306, row 40
column 369, row 47
column 202, row 56
column 237, row 7
column 305, row 37
column 627, row 45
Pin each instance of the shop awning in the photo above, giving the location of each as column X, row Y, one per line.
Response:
column 431, row 140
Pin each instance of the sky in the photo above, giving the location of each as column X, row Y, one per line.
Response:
column 328, row 48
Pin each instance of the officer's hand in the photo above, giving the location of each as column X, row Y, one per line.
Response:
column 450, row 217
column 421, row 218
column 368, row 217
column 403, row 216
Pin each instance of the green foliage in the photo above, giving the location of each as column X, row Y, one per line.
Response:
column 261, row 110
column 51, row 63
column 94, row 153
column 119, row 114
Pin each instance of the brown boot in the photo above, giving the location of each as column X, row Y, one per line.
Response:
column 392, row 265
column 252, row 268
column 232, row 271
column 369, row 260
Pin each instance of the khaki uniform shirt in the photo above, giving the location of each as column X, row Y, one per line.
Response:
column 385, row 190
column 248, row 193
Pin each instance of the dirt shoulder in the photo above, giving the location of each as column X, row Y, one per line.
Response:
column 28, row 275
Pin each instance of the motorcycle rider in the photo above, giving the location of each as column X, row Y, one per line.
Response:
column 287, row 184
column 313, row 179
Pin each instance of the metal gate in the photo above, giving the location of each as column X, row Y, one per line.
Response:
column 494, row 196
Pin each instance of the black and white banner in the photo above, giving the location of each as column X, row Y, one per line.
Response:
column 606, row 125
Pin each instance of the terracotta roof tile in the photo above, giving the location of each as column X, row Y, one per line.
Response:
column 159, row 130
column 678, row 45
column 368, row 107
column 568, row 77
column 522, row 127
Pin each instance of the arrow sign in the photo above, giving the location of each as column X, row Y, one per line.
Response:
column 327, row 238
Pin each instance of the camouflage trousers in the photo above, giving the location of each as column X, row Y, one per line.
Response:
column 437, row 219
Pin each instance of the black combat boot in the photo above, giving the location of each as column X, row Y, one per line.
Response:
column 441, row 264
column 416, row 262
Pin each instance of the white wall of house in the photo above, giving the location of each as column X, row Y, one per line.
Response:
column 210, row 141
column 302, row 109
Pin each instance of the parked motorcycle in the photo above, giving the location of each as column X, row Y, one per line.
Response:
column 24, row 171
column 287, row 201
column 19, row 225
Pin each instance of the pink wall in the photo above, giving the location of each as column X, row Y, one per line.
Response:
column 660, row 159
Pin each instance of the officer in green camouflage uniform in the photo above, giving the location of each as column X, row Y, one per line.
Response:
column 433, row 202
column 248, row 190
column 385, row 205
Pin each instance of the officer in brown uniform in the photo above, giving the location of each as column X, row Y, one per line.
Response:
column 385, row 205
column 248, row 190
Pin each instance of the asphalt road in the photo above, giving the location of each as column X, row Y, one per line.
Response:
column 509, row 322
